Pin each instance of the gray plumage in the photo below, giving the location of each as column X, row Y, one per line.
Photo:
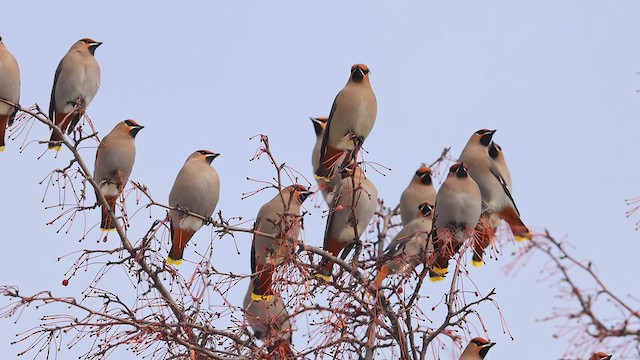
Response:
column 113, row 165
column 419, row 190
column 280, row 216
column 457, row 212
column 196, row 189
column 349, row 214
column 9, row 90
column 410, row 246
column 75, row 84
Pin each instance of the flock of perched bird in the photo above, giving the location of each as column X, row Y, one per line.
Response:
column 468, row 206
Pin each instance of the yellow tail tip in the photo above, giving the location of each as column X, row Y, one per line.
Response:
column 323, row 277
column 2, row 148
column 55, row 147
column 256, row 297
column 526, row 237
column 173, row 261
column 322, row 177
column 440, row 271
column 436, row 278
column 477, row 263
column 107, row 230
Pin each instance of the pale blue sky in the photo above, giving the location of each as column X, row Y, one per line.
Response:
column 556, row 78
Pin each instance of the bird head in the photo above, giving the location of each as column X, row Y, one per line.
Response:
column 484, row 136
column 426, row 209
column 600, row 356
column 90, row 44
column 459, row 169
column 359, row 72
column 319, row 124
column 423, row 175
column 494, row 150
column 207, row 155
column 133, row 127
column 481, row 345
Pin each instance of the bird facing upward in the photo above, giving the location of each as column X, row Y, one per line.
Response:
column 352, row 117
column 76, row 82
column 9, row 90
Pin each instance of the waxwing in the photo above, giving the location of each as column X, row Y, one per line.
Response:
column 196, row 190
column 75, row 84
column 410, row 247
column 496, row 153
column 354, row 204
column 114, row 161
column 477, row 349
column 276, row 229
column 420, row 190
column 9, row 90
column 600, row 356
column 496, row 195
column 319, row 125
column 457, row 212
column 269, row 320
column 352, row 117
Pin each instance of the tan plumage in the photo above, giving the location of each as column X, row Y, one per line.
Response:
column 457, row 211
column 349, row 214
column 600, row 356
column 280, row 217
column 352, row 117
column 76, row 82
column 114, row 161
column 496, row 195
column 9, row 90
column 419, row 190
column 319, row 125
column 269, row 320
column 410, row 247
column 496, row 153
column 477, row 349
column 196, row 189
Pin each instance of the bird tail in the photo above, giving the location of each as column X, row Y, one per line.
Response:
column 281, row 350
column 107, row 223
column 382, row 274
column 262, row 283
column 519, row 230
column 63, row 121
column 482, row 238
column 4, row 119
column 328, row 159
column 179, row 239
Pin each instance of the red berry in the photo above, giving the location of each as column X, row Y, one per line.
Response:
column 65, row 282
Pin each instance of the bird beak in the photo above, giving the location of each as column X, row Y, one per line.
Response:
column 357, row 74
column 96, row 44
column 134, row 129
column 488, row 345
column 304, row 195
column 210, row 157
column 608, row 357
